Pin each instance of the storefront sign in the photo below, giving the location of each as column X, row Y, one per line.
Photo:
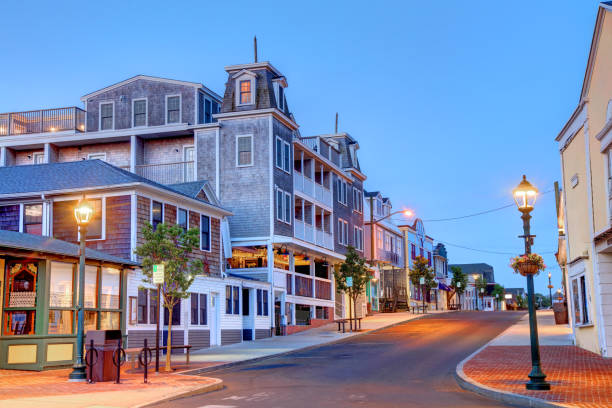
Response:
column 422, row 280
column 158, row 274
column 349, row 281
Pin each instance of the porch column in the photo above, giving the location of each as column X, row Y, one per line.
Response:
column 270, row 251
column 302, row 163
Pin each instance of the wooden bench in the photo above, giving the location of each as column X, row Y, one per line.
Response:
column 133, row 352
column 455, row 307
column 418, row 308
column 356, row 319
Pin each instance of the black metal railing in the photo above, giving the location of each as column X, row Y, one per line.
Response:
column 41, row 121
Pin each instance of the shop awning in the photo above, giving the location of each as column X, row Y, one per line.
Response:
column 442, row 286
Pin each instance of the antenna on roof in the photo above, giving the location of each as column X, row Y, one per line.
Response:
column 255, row 47
column 336, row 129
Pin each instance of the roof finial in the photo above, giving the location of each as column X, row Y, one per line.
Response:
column 336, row 128
column 255, row 47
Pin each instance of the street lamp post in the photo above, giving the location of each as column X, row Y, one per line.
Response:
column 459, row 294
column 525, row 196
column 83, row 213
column 482, row 306
column 497, row 300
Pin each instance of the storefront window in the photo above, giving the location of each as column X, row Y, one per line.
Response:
column 60, row 322
column 111, row 280
column 91, row 320
column 110, row 320
column 91, row 287
column 20, row 298
column 60, row 284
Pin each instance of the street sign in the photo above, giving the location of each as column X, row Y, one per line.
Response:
column 158, row 274
column 422, row 280
column 349, row 281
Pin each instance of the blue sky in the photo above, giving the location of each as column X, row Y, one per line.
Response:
column 450, row 101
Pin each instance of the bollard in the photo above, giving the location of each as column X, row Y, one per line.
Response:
column 118, row 360
column 91, row 358
column 144, row 358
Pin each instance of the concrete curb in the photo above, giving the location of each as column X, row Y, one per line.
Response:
column 468, row 384
column 216, row 385
column 302, row 349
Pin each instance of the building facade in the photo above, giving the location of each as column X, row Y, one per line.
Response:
column 471, row 299
column 586, row 161
column 417, row 243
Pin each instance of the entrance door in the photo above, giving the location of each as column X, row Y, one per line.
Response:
column 277, row 317
column 215, row 331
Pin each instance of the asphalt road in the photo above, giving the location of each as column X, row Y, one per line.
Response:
column 410, row 365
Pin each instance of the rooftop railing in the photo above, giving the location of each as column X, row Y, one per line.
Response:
column 41, row 121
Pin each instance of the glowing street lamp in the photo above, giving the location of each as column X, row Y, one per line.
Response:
column 525, row 197
column 83, row 213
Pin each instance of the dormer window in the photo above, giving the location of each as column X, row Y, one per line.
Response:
column 281, row 98
column 245, row 92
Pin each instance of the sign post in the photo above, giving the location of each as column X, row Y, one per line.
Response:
column 349, row 284
column 422, row 282
column 158, row 279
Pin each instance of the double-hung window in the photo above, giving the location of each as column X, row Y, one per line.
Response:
column 244, row 151
column 245, row 92
column 107, row 121
column 413, row 251
column 199, row 315
column 343, row 231
column 139, row 108
column 95, row 227
column 157, row 214
column 283, row 155
column 232, row 299
column 379, row 238
column 580, row 300
column 262, row 302
column 357, row 200
column 32, row 218
column 173, row 109
column 205, row 232
column 342, row 191
column 143, row 306
column 283, row 206
column 358, row 236
column 182, row 219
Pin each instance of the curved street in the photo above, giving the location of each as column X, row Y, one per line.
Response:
column 409, row 365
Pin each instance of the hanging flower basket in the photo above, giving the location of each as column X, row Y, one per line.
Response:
column 526, row 265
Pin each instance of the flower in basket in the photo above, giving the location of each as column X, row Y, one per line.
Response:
column 530, row 264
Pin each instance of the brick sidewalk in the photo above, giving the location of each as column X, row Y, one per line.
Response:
column 23, row 388
column 578, row 377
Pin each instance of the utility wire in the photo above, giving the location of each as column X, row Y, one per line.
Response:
column 472, row 215
column 487, row 250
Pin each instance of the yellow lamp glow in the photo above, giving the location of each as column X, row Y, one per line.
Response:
column 83, row 212
column 525, row 195
column 407, row 213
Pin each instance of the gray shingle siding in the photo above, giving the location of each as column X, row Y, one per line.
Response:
column 282, row 180
column 265, row 96
column 231, row 336
column 199, row 339
column 154, row 91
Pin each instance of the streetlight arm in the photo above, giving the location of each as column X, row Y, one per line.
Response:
column 373, row 221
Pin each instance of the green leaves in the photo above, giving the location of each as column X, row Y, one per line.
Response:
column 354, row 267
column 421, row 269
column 459, row 277
column 173, row 247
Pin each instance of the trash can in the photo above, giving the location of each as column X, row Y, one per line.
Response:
column 560, row 310
column 105, row 342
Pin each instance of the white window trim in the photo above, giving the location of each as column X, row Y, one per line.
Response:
column 581, row 300
column 285, row 207
column 103, row 228
column 180, row 110
column 358, row 198
column 177, row 215
column 38, row 154
column 209, row 232
column 253, row 80
column 151, row 210
column 283, row 144
column 100, row 115
column 343, row 232
column 146, row 112
column 89, row 155
column 252, row 152
column 288, row 171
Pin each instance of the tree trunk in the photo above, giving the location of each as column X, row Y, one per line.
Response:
column 168, row 368
column 355, row 307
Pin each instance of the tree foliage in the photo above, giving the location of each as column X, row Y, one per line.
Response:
column 481, row 283
column 459, row 276
column 353, row 267
column 172, row 247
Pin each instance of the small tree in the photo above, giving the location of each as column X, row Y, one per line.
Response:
column 498, row 293
column 520, row 302
column 352, row 267
column 459, row 281
column 481, row 288
column 172, row 247
column 421, row 269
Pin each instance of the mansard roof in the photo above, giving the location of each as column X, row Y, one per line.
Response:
column 77, row 176
column 265, row 98
column 151, row 78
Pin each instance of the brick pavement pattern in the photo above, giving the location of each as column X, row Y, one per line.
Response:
column 578, row 377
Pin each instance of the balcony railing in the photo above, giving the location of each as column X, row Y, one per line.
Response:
column 303, row 286
column 323, row 289
column 312, row 142
column 41, row 121
column 168, row 173
column 308, row 233
column 312, row 188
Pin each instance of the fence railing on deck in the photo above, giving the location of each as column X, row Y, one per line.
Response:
column 41, row 121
